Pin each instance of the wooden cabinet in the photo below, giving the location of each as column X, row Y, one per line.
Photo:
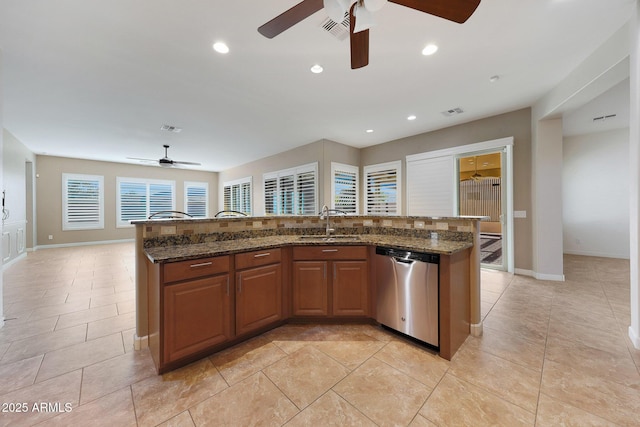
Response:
column 258, row 290
column 197, row 316
column 310, row 288
column 189, row 308
column 330, row 281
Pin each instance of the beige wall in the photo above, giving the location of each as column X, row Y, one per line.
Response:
column 49, row 172
column 323, row 152
column 516, row 124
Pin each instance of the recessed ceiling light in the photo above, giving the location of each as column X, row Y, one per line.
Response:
column 429, row 49
column 369, row 130
column 494, row 79
column 220, row 47
column 317, row 69
column 411, row 117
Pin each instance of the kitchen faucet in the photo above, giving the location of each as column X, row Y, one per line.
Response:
column 325, row 213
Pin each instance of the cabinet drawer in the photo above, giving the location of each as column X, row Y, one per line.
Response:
column 257, row 258
column 183, row 270
column 329, row 252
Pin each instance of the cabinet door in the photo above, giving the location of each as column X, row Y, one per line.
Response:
column 350, row 288
column 310, row 288
column 258, row 297
column 197, row 315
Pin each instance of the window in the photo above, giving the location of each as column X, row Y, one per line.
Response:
column 82, row 202
column 292, row 191
column 344, row 187
column 237, row 195
column 196, row 199
column 383, row 189
column 138, row 198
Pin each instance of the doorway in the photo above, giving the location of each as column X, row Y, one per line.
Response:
column 481, row 192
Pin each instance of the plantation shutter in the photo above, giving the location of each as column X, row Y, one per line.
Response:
column 197, row 199
column 344, row 188
column 137, row 199
column 306, row 190
column 83, row 202
column 292, row 191
column 383, row 189
column 430, row 186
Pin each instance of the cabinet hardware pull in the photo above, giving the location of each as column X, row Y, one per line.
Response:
column 329, row 250
column 261, row 255
column 202, row 264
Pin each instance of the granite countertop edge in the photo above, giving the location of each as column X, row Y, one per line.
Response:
column 165, row 254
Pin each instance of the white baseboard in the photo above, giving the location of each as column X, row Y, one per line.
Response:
column 634, row 337
column 13, row 261
column 540, row 276
column 551, row 277
column 140, row 342
column 596, row 254
column 476, row 329
column 69, row 245
column 523, row 272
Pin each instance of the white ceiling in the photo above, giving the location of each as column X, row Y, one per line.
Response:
column 97, row 79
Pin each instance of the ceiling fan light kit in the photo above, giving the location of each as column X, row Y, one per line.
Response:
column 361, row 18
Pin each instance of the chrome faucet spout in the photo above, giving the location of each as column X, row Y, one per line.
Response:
column 325, row 214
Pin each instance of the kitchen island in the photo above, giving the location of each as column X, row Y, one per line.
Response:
column 206, row 284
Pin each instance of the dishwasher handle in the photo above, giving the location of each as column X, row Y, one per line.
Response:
column 404, row 260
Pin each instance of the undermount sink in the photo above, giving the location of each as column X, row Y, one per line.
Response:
column 336, row 238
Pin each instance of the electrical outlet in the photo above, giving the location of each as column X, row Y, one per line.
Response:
column 418, row 224
column 257, row 224
column 50, row 236
column 387, row 223
column 367, row 223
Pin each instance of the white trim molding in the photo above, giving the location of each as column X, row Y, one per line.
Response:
column 476, row 329
column 140, row 343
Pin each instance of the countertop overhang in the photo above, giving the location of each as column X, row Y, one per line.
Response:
column 173, row 253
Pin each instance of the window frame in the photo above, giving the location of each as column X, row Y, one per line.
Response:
column 381, row 167
column 196, row 184
column 67, row 224
column 295, row 173
column 336, row 167
column 141, row 181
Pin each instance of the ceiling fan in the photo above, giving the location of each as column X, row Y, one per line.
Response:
column 361, row 18
column 165, row 161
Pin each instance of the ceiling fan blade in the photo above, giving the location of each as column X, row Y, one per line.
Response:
column 453, row 10
column 176, row 162
column 291, row 17
column 141, row 159
column 359, row 44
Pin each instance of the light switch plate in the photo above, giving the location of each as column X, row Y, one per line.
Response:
column 418, row 224
column 257, row 224
column 519, row 214
column 367, row 223
column 387, row 223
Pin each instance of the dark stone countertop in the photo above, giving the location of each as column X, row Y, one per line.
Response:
column 164, row 254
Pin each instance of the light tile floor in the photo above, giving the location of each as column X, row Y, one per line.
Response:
column 552, row 354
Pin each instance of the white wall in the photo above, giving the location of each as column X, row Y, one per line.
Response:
column 14, row 170
column 1, row 186
column 595, row 194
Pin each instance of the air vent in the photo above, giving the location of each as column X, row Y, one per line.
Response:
column 452, row 112
column 603, row 118
column 338, row 30
column 170, row 128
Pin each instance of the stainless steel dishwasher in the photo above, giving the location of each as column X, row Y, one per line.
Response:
column 407, row 297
